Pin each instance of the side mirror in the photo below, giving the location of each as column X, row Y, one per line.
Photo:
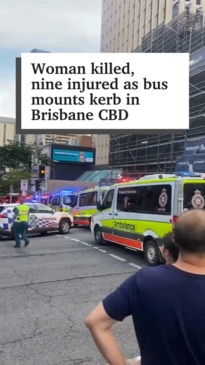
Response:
column 53, row 211
column 99, row 205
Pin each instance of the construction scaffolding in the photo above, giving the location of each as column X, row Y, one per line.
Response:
column 148, row 152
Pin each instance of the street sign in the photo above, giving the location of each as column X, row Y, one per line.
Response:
column 24, row 185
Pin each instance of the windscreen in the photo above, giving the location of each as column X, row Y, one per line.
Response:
column 68, row 199
column 194, row 195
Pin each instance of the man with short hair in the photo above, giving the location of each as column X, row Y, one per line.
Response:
column 20, row 225
column 166, row 303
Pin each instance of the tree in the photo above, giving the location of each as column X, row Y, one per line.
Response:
column 45, row 160
column 12, row 180
column 16, row 155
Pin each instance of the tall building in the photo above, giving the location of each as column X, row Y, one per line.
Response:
column 158, row 26
column 126, row 22
column 102, row 145
column 7, row 130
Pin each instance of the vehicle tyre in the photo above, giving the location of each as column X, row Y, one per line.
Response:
column 152, row 254
column 64, row 226
column 98, row 235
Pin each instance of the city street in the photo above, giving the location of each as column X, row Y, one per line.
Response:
column 46, row 291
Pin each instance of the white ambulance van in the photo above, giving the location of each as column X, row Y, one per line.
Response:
column 139, row 213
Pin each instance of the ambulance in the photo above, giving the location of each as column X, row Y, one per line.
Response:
column 85, row 205
column 62, row 201
column 139, row 213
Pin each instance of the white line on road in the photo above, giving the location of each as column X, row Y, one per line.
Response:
column 96, row 248
column 73, row 239
column 85, row 243
column 134, row 265
column 103, row 251
column 117, row 257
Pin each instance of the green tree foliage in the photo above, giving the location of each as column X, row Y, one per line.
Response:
column 16, row 158
column 16, row 155
column 13, row 179
column 45, row 159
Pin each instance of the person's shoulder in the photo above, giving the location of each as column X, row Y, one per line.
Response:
column 154, row 272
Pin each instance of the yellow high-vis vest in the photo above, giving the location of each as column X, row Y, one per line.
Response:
column 23, row 213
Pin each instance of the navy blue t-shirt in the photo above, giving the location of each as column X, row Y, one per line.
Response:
column 168, row 310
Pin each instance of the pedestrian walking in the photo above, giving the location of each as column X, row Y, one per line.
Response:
column 20, row 225
column 166, row 304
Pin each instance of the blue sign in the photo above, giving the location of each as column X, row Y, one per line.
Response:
column 193, row 159
column 59, row 155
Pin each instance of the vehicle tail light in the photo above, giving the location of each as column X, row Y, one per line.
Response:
column 3, row 215
column 174, row 220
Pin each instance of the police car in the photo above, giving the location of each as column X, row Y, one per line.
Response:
column 42, row 219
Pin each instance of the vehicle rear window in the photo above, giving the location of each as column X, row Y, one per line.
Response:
column 194, row 195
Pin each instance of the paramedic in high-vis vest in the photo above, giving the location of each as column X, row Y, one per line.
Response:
column 20, row 225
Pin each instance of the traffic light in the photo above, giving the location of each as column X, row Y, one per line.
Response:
column 38, row 185
column 41, row 171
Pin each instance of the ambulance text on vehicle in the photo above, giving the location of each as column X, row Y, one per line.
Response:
column 139, row 213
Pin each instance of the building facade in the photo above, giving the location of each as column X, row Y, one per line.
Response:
column 162, row 26
column 7, row 130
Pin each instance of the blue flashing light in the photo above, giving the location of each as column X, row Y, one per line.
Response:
column 186, row 173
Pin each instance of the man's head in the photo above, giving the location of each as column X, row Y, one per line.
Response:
column 189, row 233
column 169, row 250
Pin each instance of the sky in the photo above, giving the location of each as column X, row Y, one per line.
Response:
column 50, row 25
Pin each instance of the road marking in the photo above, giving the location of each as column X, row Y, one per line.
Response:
column 103, row 251
column 85, row 243
column 74, row 239
column 117, row 257
column 134, row 265
column 96, row 248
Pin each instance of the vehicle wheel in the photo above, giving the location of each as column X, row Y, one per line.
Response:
column 98, row 236
column 152, row 254
column 64, row 226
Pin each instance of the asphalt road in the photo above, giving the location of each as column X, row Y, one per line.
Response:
column 46, row 291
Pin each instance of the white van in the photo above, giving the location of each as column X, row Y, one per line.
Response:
column 85, row 205
column 139, row 213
